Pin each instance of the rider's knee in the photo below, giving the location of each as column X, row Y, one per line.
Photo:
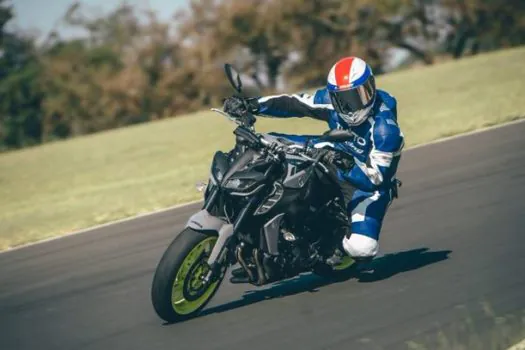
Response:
column 360, row 246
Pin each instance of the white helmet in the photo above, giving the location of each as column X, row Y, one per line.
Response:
column 352, row 89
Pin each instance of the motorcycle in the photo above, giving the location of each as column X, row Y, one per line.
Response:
column 271, row 205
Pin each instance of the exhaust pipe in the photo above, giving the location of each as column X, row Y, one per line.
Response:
column 240, row 259
column 260, row 270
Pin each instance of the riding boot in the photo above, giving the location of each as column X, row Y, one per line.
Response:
column 360, row 265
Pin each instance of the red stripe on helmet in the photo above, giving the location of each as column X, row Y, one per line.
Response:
column 342, row 71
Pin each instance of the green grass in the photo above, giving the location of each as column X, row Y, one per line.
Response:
column 60, row 187
column 474, row 329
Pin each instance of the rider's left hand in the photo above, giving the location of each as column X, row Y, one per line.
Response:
column 240, row 107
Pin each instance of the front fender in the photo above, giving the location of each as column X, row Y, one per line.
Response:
column 204, row 221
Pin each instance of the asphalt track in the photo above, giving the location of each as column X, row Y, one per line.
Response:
column 452, row 259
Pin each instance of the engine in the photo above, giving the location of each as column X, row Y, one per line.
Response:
column 297, row 253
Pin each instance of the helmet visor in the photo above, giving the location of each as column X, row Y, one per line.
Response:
column 353, row 100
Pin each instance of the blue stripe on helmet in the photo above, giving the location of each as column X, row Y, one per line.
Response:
column 332, row 87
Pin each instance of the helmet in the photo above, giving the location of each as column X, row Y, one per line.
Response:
column 352, row 89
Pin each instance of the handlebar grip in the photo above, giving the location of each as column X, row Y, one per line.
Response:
column 245, row 134
column 264, row 142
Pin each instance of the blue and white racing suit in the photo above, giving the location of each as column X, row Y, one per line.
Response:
column 376, row 148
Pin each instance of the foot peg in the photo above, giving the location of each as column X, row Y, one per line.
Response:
column 239, row 279
column 239, row 275
column 336, row 258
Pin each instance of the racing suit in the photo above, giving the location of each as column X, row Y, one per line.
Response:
column 376, row 148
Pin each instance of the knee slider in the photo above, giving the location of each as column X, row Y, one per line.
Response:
column 360, row 246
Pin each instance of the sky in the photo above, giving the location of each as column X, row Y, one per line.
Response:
column 42, row 15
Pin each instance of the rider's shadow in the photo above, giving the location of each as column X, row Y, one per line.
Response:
column 381, row 268
column 396, row 263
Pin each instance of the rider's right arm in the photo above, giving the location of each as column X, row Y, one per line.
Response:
column 296, row 105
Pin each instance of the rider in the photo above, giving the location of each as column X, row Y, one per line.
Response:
column 350, row 101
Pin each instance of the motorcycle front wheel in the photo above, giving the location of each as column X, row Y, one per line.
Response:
column 178, row 291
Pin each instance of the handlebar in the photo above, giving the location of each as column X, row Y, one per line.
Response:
column 246, row 131
column 313, row 155
column 276, row 151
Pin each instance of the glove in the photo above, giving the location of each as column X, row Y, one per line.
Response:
column 240, row 107
column 336, row 159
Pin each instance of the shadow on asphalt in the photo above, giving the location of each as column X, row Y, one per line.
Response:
column 383, row 267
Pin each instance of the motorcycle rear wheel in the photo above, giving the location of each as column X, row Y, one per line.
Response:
column 178, row 292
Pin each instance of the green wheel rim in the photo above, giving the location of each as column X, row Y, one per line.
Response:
column 346, row 263
column 188, row 280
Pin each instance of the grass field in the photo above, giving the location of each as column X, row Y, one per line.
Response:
column 60, row 187
column 475, row 329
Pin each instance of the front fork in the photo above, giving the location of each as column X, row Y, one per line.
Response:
column 226, row 230
column 226, row 233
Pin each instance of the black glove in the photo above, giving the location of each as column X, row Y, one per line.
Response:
column 240, row 107
column 338, row 160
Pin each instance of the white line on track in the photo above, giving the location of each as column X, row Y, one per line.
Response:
column 468, row 133
column 93, row 228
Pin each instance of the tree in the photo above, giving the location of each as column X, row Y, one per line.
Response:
column 20, row 91
column 112, row 77
column 251, row 33
column 486, row 25
column 130, row 67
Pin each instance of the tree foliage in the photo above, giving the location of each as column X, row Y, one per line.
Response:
column 21, row 94
column 486, row 24
column 130, row 67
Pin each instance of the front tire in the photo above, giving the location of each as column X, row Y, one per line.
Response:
column 178, row 292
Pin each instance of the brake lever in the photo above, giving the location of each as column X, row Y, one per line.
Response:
column 225, row 114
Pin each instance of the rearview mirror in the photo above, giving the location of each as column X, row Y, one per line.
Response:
column 234, row 77
column 337, row 135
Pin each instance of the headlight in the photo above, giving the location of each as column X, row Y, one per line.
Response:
column 239, row 184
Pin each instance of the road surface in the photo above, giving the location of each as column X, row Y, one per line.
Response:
column 451, row 259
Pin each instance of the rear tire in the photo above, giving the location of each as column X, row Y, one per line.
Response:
column 177, row 292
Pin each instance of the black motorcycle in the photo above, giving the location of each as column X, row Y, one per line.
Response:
column 271, row 205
